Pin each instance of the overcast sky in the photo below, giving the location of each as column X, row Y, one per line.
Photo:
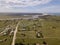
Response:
column 39, row 6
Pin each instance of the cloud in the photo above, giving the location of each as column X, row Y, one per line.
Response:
column 22, row 3
column 16, row 6
column 49, row 9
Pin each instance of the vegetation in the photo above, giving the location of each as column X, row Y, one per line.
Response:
column 43, row 30
column 6, row 27
column 48, row 28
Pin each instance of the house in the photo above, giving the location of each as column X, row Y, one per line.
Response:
column 39, row 34
column 37, row 44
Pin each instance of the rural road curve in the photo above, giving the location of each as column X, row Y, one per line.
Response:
column 14, row 37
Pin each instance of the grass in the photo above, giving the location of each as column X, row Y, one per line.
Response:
column 7, row 42
column 49, row 26
column 29, row 40
column 53, row 41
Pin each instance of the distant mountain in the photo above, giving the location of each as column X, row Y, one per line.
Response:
column 17, row 14
column 54, row 14
column 21, row 14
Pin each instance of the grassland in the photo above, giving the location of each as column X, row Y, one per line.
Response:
column 49, row 27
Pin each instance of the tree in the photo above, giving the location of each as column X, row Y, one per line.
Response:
column 44, row 43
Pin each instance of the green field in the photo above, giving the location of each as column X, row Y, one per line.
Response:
column 48, row 26
column 32, row 31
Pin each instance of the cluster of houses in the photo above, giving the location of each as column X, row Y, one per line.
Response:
column 7, row 31
column 38, row 33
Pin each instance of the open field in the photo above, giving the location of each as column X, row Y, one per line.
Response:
column 39, row 31
column 49, row 28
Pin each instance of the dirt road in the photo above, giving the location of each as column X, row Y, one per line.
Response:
column 14, row 37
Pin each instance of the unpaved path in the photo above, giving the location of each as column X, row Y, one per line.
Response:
column 14, row 37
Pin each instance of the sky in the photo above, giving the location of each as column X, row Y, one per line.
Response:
column 30, row 6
